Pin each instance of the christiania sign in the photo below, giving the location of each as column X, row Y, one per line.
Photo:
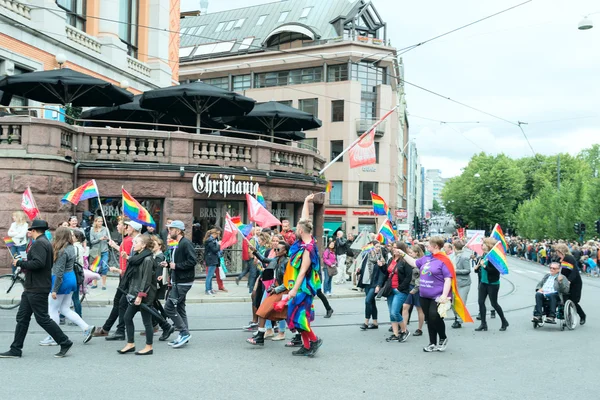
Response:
column 224, row 185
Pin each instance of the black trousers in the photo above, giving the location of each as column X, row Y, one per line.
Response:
column 146, row 319
column 164, row 325
column 323, row 299
column 575, row 296
column 486, row 290
column 435, row 324
column 119, row 307
column 36, row 304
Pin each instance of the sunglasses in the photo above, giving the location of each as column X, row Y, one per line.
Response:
column 555, row 268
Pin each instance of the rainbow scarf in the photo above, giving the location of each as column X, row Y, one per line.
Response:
column 497, row 257
column 83, row 192
column 459, row 306
column 135, row 211
column 499, row 235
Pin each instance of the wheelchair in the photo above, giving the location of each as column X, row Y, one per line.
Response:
column 565, row 315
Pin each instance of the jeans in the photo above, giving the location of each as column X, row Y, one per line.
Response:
column 76, row 302
column 486, row 290
column 341, row 264
column 36, row 304
column 539, row 304
column 210, row 272
column 103, row 263
column 395, row 304
column 435, row 324
column 175, row 307
column 370, row 304
column 15, row 251
column 326, row 281
column 119, row 307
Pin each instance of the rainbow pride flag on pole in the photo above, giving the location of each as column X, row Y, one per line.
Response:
column 499, row 235
column 86, row 191
column 172, row 243
column 9, row 242
column 135, row 211
column 328, row 187
column 497, row 257
column 244, row 229
column 260, row 198
column 379, row 206
column 386, row 233
column 95, row 264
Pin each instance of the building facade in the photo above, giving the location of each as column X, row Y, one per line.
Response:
column 331, row 59
column 435, row 175
column 414, row 190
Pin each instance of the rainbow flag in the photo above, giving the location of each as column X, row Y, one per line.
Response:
column 459, row 305
column 244, row 229
column 386, row 233
column 328, row 187
column 260, row 198
column 367, row 247
column 497, row 257
column 95, row 265
column 499, row 235
column 9, row 242
column 86, row 191
column 135, row 211
column 172, row 243
column 379, row 206
column 563, row 264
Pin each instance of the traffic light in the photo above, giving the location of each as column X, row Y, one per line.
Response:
column 577, row 228
column 582, row 227
column 598, row 226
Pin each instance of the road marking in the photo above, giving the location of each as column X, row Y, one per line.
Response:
column 517, row 271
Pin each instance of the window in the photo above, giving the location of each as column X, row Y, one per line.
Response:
column 229, row 26
column 364, row 192
column 200, row 29
column 310, row 106
column 305, row 12
column 183, row 31
column 128, row 28
column 337, row 73
column 376, row 152
column 220, row 27
column 283, row 16
column 368, row 76
column 335, row 196
column 76, row 12
column 246, row 43
column 222, row 82
column 337, row 110
column 261, row 20
column 335, row 148
column 368, row 109
column 283, row 78
column 242, row 82
column 285, row 102
column 309, row 144
column 185, row 51
column 239, row 23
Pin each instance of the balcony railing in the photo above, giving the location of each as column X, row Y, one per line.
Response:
column 363, row 124
column 17, row 7
column 44, row 138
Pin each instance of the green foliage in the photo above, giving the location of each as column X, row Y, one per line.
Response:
column 524, row 194
column 72, row 114
column 436, row 207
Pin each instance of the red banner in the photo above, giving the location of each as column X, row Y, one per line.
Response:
column 28, row 204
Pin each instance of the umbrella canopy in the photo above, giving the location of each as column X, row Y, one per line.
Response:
column 63, row 86
column 275, row 117
column 361, row 241
column 197, row 99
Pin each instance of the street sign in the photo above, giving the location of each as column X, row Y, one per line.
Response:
column 401, row 214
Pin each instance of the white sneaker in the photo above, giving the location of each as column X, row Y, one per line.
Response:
column 442, row 346
column 173, row 342
column 182, row 340
column 48, row 342
column 88, row 333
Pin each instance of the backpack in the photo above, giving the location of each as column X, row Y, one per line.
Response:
column 78, row 269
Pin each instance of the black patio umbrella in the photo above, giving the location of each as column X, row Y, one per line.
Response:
column 275, row 117
column 133, row 112
column 63, row 86
column 197, row 99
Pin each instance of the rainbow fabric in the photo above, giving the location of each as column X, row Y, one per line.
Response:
column 260, row 198
column 244, row 229
column 386, row 233
column 328, row 187
column 300, row 309
column 9, row 242
column 171, row 243
column 86, row 191
column 563, row 264
column 499, row 235
column 459, row 305
column 95, row 265
column 379, row 206
column 497, row 257
column 135, row 211
column 367, row 247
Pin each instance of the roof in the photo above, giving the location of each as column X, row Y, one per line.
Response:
column 310, row 18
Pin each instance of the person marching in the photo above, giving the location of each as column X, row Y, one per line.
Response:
column 34, row 300
column 99, row 237
column 570, row 270
column 462, row 263
column 302, row 280
column 489, row 285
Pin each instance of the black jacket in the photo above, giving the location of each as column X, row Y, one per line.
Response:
column 278, row 264
column 493, row 275
column 185, row 262
column 341, row 246
column 211, row 252
column 142, row 280
column 404, row 272
column 572, row 274
column 38, row 277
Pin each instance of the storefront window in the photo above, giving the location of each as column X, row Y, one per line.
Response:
column 285, row 211
column 113, row 209
column 211, row 213
column 368, row 224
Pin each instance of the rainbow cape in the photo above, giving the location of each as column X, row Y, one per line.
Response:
column 499, row 235
column 459, row 306
column 386, row 233
column 95, row 264
column 9, row 242
column 244, row 229
column 260, row 198
column 86, row 191
column 497, row 257
column 379, row 206
column 328, row 187
column 134, row 210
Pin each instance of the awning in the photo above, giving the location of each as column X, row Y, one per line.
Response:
column 332, row 226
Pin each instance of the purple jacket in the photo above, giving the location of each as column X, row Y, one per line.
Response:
column 329, row 257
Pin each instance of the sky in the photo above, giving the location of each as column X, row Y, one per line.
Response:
column 530, row 64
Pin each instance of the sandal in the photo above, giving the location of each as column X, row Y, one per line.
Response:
column 254, row 342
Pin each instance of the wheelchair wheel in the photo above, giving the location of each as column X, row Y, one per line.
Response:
column 570, row 320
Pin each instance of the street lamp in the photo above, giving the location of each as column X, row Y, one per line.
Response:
column 60, row 59
column 586, row 23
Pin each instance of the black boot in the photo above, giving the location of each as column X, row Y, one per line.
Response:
column 258, row 339
column 482, row 327
column 456, row 324
column 504, row 325
column 295, row 342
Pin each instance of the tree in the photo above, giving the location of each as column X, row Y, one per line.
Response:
column 437, row 208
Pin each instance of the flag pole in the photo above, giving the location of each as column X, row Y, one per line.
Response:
column 101, row 209
column 347, row 149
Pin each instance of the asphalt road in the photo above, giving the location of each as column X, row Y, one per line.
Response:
column 521, row 363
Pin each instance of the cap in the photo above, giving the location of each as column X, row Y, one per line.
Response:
column 177, row 224
column 135, row 225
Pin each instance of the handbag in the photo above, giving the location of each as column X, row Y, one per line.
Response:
column 332, row 270
column 387, row 290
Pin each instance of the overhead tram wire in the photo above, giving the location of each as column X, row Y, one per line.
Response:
column 306, row 55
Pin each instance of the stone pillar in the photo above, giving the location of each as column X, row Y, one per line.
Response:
column 318, row 219
column 160, row 47
column 49, row 18
column 113, row 49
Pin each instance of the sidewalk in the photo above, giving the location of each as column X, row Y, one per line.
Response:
column 235, row 294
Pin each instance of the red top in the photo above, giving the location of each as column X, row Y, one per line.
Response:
column 289, row 236
column 126, row 247
column 395, row 276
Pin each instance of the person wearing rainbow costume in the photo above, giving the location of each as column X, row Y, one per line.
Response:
column 301, row 277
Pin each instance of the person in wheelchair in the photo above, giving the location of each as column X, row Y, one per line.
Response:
column 548, row 291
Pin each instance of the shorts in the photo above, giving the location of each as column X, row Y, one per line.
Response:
column 413, row 299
